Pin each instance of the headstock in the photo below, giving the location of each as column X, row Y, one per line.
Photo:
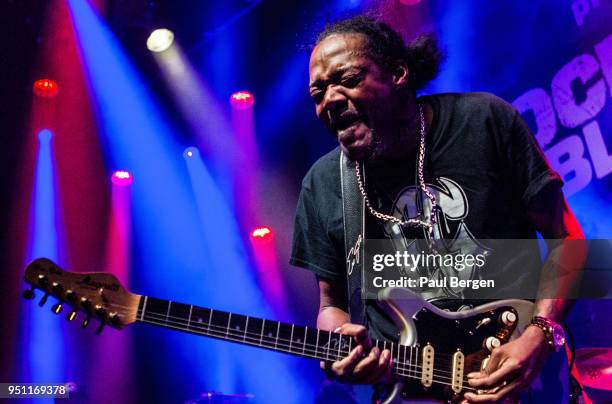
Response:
column 98, row 295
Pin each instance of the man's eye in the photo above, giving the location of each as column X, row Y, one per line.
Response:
column 351, row 81
column 317, row 96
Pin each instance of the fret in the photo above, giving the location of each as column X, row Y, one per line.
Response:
column 254, row 330
column 209, row 321
column 178, row 313
column 189, row 319
column 277, row 329
column 384, row 345
column 227, row 327
column 311, row 340
column 263, row 324
column 285, row 333
column 168, row 311
column 338, row 355
column 350, row 344
column 144, row 307
column 304, row 344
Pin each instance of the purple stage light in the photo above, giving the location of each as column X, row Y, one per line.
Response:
column 122, row 178
column 242, row 100
column 263, row 232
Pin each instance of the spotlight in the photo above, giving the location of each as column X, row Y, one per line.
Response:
column 160, row 40
column 45, row 88
column 262, row 232
column 191, row 152
column 122, row 178
column 242, row 100
column 45, row 135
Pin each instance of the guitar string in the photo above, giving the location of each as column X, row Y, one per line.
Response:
column 408, row 375
column 258, row 337
column 226, row 331
column 442, row 358
column 221, row 330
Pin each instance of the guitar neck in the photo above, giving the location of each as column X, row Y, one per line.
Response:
column 269, row 334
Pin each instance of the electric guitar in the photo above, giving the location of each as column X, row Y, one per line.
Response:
column 435, row 352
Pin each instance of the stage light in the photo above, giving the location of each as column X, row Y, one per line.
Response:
column 410, row 2
column 261, row 232
column 122, row 178
column 242, row 100
column 160, row 40
column 191, row 152
column 45, row 88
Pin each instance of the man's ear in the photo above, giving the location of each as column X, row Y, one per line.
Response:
column 400, row 76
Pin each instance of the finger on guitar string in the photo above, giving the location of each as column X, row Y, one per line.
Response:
column 359, row 332
column 338, row 369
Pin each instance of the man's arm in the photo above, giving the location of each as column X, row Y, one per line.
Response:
column 364, row 364
column 513, row 366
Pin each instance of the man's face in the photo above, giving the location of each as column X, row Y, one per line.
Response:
column 354, row 98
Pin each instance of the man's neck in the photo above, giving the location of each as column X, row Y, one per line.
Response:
column 404, row 141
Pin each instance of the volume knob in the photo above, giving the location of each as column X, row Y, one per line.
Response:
column 491, row 343
column 508, row 318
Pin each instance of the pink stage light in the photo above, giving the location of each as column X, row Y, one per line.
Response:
column 410, row 2
column 45, row 88
column 242, row 100
column 263, row 232
column 122, row 178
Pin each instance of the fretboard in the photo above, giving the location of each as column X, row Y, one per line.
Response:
column 269, row 334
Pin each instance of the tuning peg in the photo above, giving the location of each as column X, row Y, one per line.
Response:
column 100, row 328
column 85, row 322
column 28, row 293
column 72, row 315
column 43, row 300
column 57, row 288
column 43, row 280
column 85, row 303
column 114, row 318
column 57, row 308
column 70, row 295
column 100, row 312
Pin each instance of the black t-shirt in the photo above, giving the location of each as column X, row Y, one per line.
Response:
column 482, row 163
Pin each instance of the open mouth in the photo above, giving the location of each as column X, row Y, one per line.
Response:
column 346, row 121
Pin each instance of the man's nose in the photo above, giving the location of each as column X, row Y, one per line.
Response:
column 334, row 100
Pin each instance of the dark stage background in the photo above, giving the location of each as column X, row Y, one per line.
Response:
column 182, row 230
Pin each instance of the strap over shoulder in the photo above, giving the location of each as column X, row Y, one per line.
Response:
column 353, row 211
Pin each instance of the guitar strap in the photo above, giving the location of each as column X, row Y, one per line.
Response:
column 353, row 212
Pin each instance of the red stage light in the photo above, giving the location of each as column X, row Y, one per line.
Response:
column 122, row 178
column 261, row 232
column 242, row 100
column 45, row 88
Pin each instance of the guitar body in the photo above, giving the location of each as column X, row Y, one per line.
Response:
column 422, row 323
